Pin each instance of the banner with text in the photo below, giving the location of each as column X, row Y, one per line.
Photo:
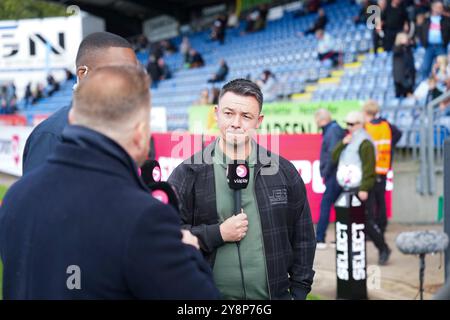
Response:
column 280, row 117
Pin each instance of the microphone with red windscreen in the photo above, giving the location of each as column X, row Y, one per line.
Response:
column 163, row 191
column 238, row 175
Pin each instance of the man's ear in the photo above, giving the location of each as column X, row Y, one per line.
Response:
column 82, row 72
column 216, row 112
column 260, row 120
column 138, row 134
column 71, row 117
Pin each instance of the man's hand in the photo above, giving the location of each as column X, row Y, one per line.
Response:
column 234, row 228
column 189, row 238
column 363, row 195
column 347, row 139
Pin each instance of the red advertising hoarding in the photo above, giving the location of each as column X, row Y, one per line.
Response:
column 302, row 150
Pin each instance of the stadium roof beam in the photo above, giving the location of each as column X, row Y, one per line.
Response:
column 125, row 17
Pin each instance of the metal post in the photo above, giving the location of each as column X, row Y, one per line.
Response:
column 430, row 154
column 447, row 203
column 423, row 181
column 421, row 273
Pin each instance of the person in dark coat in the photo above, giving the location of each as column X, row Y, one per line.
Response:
column 404, row 71
column 319, row 24
column 221, row 73
column 332, row 134
column 154, row 71
column 394, row 20
column 84, row 225
column 195, row 59
column 434, row 36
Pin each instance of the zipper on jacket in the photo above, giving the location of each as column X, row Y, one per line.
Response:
column 262, row 235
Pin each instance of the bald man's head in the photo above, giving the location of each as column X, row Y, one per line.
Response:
column 323, row 117
column 112, row 95
column 115, row 101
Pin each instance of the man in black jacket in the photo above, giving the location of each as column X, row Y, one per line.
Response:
column 274, row 227
column 83, row 225
column 434, row 36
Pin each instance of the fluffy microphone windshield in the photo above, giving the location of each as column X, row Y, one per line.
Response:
column 418, row 242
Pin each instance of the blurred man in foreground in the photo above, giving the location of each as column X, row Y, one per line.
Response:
column 96, row 50
column 83, row 225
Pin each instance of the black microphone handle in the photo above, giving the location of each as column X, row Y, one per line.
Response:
column 237, row 201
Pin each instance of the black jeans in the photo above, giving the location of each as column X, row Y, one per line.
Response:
column 379, row 205
column 372, row 228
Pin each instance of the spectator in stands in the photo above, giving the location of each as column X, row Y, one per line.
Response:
column 422, row 6
column 156, row 50
column 141, row 44
column 96, row 50
column 257, row 19
column 12, row 105
column 384, row 136
column 319, row 24
column 195, row 59
column 332, row 133
column 215, row 96
column 168, row 46
column 164, row 70
column 326, row 48
column 378, row 33
column 69, row 75
column 307, row 7
column 355, row 153
column 444, row 105
column 153, row 70
column 268, row 85
column 394, row 20
column 363, row 14
column 418, row 29
column 426, row 91
column 38, row 93
column 435, row 36
column 440, row 71
column 251, row 20
column 3, row 104
column 221, row 73
column 28, row 96
column 185, row 47
column 233, row 19
column 8, row 99
column 404, row 71
column 204, row 98
column 52, row 85
column 10, row 90
column 218, row 29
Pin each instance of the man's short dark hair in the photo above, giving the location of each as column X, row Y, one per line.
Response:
column 243, row 87
column 99, row 41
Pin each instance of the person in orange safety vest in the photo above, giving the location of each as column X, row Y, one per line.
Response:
column 385, row 136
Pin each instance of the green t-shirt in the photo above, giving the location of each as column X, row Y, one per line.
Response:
column 227, row 274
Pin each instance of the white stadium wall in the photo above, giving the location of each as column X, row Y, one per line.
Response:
column 30, row 48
